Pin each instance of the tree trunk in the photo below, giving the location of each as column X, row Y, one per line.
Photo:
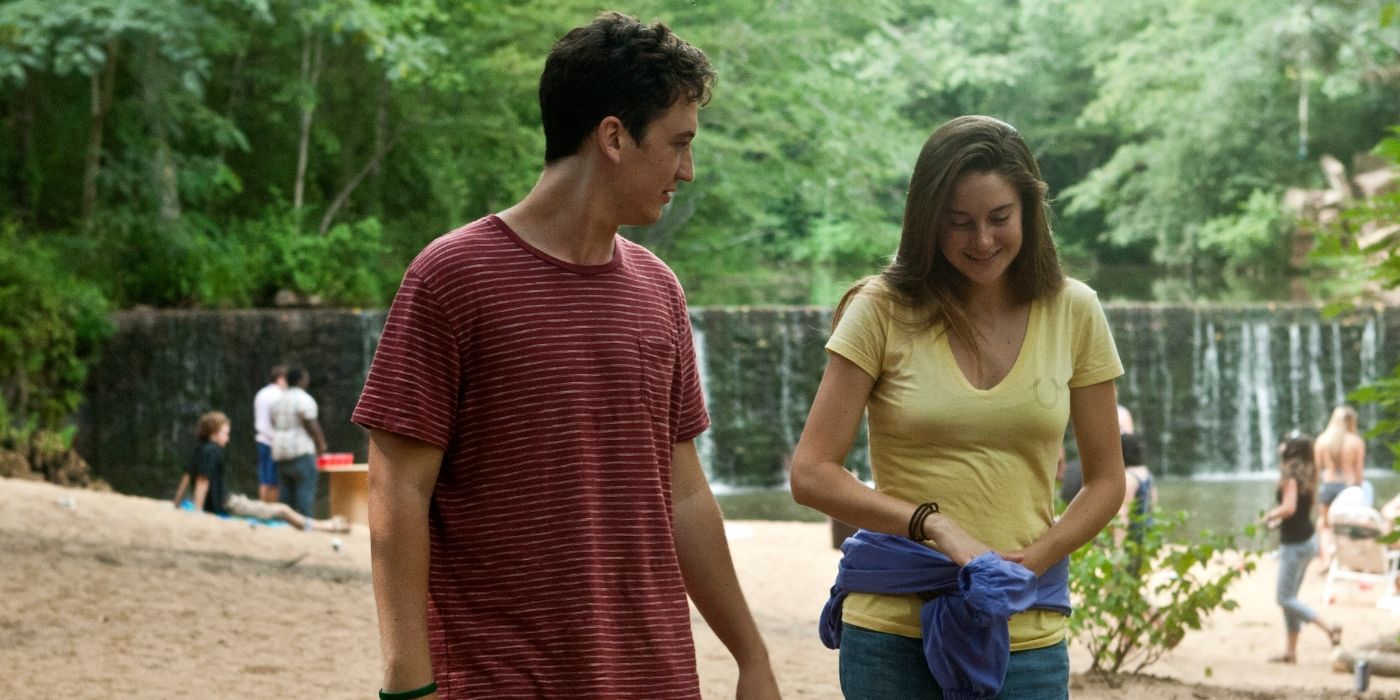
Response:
column 100, row 98
column 22, row 125
column 344, row 195
column 312, row 61
column 381, row 134
column 167, row 183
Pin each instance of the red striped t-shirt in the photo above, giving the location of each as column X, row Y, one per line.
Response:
column 557, row 392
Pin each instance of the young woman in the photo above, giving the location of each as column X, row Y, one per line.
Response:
column 971, row 353
column 1297, row 484
column 1340, row 456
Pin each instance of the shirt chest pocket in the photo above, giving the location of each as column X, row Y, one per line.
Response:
column 656, row 370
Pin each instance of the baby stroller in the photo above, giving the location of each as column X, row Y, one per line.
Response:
column 1359, row 557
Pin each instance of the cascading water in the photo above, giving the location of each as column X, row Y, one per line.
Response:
column 1211, row 388
column 705, row 443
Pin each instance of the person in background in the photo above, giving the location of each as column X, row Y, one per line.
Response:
column 1068, row 472
column 969, row 354
column 262, row 426
column 1140, row 493
column 1340, row 456
column 1297, row 484
column 538, row 512
column 203, row 479
column 296, row 440
column 1125, row 420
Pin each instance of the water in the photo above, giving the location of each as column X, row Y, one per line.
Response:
column 1216, row 504
column 1212, row 388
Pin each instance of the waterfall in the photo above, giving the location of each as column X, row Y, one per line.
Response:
column 1295, row 372
column 1339, row 394
column 1366, row 357
column 785, row 397
column 1253, row 373
column 1244, row 379
column 1211, row 387
column 705, row 443
column 1264, row 398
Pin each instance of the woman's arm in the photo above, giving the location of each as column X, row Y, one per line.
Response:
column 1094, row 413
column 1287, row 505
column 820, row 480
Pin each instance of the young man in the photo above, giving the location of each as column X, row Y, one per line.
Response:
column 296, row 440
column 262, row 425
column 537, row 509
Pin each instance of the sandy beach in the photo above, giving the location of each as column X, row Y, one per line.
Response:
column 104, row 595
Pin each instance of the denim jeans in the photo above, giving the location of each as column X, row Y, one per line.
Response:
column 1292, row 566
column 880, row 666
column 298, row 488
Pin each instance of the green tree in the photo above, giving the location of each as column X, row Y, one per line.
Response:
column 1218, row 105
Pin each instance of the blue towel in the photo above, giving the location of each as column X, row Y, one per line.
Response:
column 966, row 641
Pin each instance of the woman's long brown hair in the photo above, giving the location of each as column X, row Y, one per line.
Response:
column 920, row 278
column 1297, row 462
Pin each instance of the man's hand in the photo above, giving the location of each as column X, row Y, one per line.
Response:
column 756, row 682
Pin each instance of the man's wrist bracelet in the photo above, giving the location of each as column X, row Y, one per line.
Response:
column 428, row 689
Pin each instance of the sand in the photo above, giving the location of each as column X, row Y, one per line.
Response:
column 104, row 595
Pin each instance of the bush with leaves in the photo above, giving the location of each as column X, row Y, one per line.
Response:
column 51, row 324
column 1127, row 615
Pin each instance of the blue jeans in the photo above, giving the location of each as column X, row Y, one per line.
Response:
column 881, row 666
column 298, row 476
column 1292, row 566
column 267, row 469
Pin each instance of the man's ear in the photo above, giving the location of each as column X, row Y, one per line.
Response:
column 608, row 137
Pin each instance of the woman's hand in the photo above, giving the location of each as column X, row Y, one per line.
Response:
column 953, row 541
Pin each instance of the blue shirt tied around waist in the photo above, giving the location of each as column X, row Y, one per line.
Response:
column 966, row 641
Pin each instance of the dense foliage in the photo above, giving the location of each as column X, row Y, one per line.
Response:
column 212, row 153
column 50, row 326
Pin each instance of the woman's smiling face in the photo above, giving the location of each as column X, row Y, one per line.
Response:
column 981, row 233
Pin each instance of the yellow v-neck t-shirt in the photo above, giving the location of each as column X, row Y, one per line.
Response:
column 986, row 456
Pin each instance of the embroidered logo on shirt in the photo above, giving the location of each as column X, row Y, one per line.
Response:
column 1046, row 396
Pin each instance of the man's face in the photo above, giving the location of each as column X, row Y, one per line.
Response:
column 652, row 169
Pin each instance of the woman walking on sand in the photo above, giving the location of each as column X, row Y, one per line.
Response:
column 1340, row 456
column 971, row 352
column 1297, row 542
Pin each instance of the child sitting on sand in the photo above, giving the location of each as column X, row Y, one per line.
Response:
column 205, row 471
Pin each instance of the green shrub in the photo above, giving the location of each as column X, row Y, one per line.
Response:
column 250, row 262
column 51, row 324
column 1128, row 619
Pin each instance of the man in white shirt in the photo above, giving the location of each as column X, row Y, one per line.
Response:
column 296, row 440
column 262, row 426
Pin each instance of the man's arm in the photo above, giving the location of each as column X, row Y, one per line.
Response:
column 402, row 475
column 709, row 574
column 313, row 427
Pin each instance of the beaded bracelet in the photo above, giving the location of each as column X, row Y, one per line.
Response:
column 428, row 689
column 916, row 521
